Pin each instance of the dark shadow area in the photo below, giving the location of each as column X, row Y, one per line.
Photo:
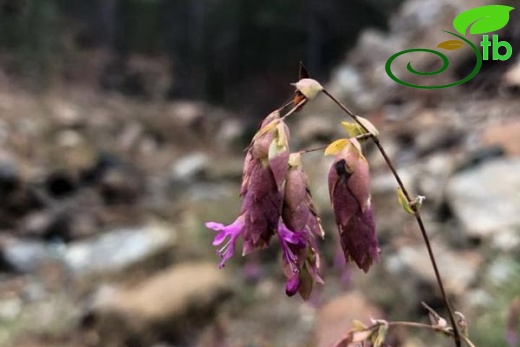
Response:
column 232, row 52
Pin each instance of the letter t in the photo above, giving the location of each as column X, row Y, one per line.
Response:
column 485, row 43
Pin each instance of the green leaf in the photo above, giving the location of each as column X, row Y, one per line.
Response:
column 358, row 325
column 451, row 45
column 336, row 146
column 403, row 201
column 380, row 335
column 352, row 129
column 483, row 19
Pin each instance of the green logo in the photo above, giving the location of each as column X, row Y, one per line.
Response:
column 478, row 21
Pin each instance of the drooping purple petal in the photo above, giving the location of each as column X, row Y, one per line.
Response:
column 288, row 237
column 292, row 285
column 232, row 232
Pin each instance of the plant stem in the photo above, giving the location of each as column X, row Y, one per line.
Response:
column 294, row 109
column 288, row 103
column 431, row 327
column 305, row 151
column 359, row 137
column 456, row 334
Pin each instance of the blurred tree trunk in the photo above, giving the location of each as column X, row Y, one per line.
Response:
column 185, row 42
column 314, row 38
column 31, row 31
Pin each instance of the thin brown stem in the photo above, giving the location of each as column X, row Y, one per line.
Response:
column 288, row 103
column 456, row 334
column 305, row 151
column 431, row 327
column 294, row 109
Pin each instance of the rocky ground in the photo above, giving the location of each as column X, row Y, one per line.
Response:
column 104, row 199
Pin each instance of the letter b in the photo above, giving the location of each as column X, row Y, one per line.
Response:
column 497, row 44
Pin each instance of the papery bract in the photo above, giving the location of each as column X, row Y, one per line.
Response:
column 300, row 216
column 350, row 197
column 265, row 167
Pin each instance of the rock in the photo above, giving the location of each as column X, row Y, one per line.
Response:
column 486, row 198
column 335, row 318
column 479, row 156
column 190, row 166
column 186, row 113
column 270, row 318
column 25, row 256
column 227, row 169
column 512, row 77
column 433, row 176
column 66, row 114
column 458, row 269
column 171, row 306
column 72, row 151
column 504, row 135
column 502, row 270
column 121, row 185
column 315, row 128
column 385, row 183
column 437, row 137
column 119, row 249
column 229, row 134
column 9, row 173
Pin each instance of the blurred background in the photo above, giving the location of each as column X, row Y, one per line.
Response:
column 122, row 129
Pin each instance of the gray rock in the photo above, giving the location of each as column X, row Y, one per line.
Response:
column 486, row 199
column 458, row 270
column 229, row 134
column 26, row 256
column 314, row 128
column 190, row 166
column 433, row 175
column 118, row 249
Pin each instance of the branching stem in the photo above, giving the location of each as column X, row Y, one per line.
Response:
column 294, row 109
column 456, row 334
column 431, row 327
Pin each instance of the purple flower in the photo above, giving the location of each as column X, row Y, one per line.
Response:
column 291, row 242
column 261, row 191
column 302, row 223
column 231, row 232
column 350, row 197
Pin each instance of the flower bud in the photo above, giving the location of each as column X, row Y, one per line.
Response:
column 308, row 87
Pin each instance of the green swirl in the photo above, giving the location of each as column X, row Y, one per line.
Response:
column 445, row 64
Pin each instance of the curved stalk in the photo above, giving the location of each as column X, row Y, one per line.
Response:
column 456, row 334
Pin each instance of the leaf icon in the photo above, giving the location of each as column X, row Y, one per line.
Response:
column 451, row 45
column 483, row 19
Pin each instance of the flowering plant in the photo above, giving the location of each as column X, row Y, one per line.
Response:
column 276, row 201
